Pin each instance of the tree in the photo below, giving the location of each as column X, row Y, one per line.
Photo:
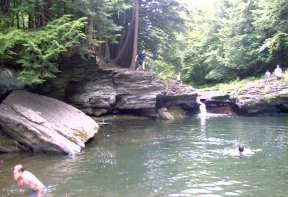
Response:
column 271, row 23
column 37, row 52
column 35, row 33
column 234, row 41
column 135, row 37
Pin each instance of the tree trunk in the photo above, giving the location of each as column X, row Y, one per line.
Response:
column 5, row 7
column 47, row 14
column 127, row 38
column 107, row 51
column 31, row 21
column 39, row 16
column 89, row 30
column 135, row 40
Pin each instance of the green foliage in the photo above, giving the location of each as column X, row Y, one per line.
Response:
column 160, row 25
column 164, row 70
column 232, row 85
column 37, row 51
column 101, row 14
column 238, row 39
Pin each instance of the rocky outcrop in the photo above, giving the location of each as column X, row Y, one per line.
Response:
column 164, row 114
column 8, row 144
column 259, row 98
column 100, row 91
column 217, row 102
column 111, row 90
column 9, row 82
column 45, row 124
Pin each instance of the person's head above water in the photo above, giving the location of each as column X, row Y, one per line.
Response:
column 241, row 148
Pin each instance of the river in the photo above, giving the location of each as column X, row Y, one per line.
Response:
column 181, row 158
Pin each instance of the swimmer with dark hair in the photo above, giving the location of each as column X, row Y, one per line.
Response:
column 247, row 152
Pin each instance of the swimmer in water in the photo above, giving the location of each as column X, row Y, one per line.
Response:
column 23, row 177
column 247, row 152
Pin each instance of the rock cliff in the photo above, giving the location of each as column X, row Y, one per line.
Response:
column 99, row 91
column 260, row 98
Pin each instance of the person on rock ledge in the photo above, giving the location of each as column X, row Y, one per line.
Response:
column 267, row 76
column 279, row 74
column 140, row 60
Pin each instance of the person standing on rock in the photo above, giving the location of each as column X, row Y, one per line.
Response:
column 278, row 73
column 23, row 177
column 178, row 78
column 140, row 60
column 267, row 76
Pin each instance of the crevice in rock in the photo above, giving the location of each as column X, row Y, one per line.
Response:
column 4, row 95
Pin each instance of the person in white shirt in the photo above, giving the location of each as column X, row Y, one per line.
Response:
column 278, row 73
column 267, row 76
column 23, row 177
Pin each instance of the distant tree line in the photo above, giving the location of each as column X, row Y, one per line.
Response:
column 238, row 39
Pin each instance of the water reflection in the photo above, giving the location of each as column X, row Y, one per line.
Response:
column 203, row 125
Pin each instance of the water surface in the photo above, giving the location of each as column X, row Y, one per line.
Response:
column 179, row 158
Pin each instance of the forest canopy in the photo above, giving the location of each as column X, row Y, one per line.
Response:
column 209, row 42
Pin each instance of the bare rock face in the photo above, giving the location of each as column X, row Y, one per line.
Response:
column 179, row 96
column 9, row 82
column 164, row 114
column 137, row 91
column 217, row 102
column 99, row 91
column 45, row 124
column 108, row 90
column 7, row 144
column 259, row 98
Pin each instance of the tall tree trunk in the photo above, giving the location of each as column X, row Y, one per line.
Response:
column 107, row 51
column 40, row 16
column 5, row 7
column 127, row 36
column 17, row 20
column 89, row 30
column 31, row 21
column 47, row 14
column 135, row 40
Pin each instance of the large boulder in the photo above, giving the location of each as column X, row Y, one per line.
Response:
column 45, row 124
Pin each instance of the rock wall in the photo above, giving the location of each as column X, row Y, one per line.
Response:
column 218, row 102
column 260, row 98
column 99, row 91
column 9, row 82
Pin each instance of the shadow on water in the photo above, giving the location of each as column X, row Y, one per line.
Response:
column 166, row 158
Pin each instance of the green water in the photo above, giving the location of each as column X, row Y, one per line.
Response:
column 180, row 158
